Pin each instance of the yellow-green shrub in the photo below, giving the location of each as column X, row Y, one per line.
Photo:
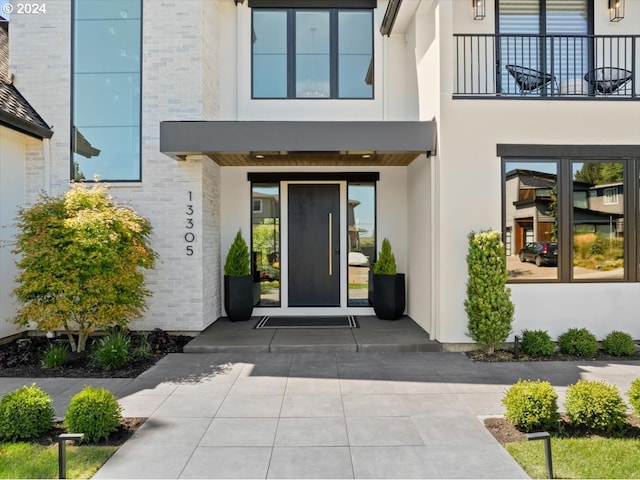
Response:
column 25, row 413
column 595, row 405
column 532, row 405
column 94, row 412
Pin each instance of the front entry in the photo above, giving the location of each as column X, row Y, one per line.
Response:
column 314, row 245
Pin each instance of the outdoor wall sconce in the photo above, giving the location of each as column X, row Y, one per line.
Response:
column 616, row 10
column 478, row 9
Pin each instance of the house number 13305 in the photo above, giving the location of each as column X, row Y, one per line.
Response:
column 189, row 236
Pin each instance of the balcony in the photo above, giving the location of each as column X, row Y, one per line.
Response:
column 547, row 67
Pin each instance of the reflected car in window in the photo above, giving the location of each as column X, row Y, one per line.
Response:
column 540, row 253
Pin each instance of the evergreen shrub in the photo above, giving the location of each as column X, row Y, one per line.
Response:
column 578, row 341
column 532, row 405
column 595, row 405
column 25, row 413
column 94, row 412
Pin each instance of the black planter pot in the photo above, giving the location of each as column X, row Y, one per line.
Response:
column 238, row 297
column 389, row 296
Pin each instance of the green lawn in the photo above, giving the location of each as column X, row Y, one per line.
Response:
column 28, row 460
column 580, row 457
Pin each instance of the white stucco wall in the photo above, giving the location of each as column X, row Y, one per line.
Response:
column 12, row 197
column 469, row 196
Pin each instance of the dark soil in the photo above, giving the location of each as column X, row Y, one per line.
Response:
column 23, row 357
column 505, row 432
column 127, row 428
column 509, row 356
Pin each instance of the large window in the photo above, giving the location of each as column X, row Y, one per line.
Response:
column 312, row 53
column 265, row 241
column 106, row 90
column 570, row 220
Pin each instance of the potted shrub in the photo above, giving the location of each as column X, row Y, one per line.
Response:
column 238, row 281
column 388, row 285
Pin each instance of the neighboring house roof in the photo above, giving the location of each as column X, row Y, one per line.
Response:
column 15, row 111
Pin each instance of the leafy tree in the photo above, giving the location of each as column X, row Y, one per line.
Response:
column 79, row 259
column 488, row 304
column 597, row 173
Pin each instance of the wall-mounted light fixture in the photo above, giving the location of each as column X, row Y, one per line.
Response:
column 616, row 10
column 478, row 9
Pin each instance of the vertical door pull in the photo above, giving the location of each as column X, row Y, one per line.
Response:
column 330, row 245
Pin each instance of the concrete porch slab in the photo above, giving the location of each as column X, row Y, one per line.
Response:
column 373, row 336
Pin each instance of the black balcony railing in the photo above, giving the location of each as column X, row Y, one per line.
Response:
column 547, row 66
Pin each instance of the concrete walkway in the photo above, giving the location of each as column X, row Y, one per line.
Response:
column 320, row 415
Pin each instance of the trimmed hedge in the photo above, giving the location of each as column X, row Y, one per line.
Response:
column 595, row 405
column 94, row 412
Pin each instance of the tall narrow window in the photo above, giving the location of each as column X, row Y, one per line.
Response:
column 106, row 90
column 361, row 227
column 265, row 241
column 531, row 220
column 598, row 223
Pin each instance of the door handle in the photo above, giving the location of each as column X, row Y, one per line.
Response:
column 330, row 244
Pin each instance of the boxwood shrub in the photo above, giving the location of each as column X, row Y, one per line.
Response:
column 578, row 341
column 619, row 343
column 94, row 412
column 537, row 343
column 595, row 405
column 25, row 413
column 532, row 405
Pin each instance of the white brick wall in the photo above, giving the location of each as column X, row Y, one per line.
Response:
column 180, row 82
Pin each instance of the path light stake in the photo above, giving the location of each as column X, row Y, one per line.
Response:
column 62, row 451
column 516, row 347
column 547, row 448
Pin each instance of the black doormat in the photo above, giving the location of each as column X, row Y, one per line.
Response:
column 344, row 321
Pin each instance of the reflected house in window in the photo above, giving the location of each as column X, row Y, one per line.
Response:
column 604, row 213
column 529, row 210
column 83, row 147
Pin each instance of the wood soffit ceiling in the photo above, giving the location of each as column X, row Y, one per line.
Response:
column 329, row 159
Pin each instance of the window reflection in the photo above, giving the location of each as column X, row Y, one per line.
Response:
column 355, row 55
column 106, row 90
column 598, row 220
column 265, row 242
column 269, row 40
column 362, row 233
column 531, row 220
column 312, row 54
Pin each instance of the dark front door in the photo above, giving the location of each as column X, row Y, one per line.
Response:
column 314, row 241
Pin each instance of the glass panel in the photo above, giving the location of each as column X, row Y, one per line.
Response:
column 361, row 226
column 598, row 220
column 312, row 54
column 531, row 220
column 106, row 90
column 355, row 54
column 117, row 41
column 269, row 39
column 265, row 241
column 111, row 153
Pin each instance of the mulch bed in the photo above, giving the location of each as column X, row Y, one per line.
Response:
column 505, row 432
column 23, row 358
column 127, row 427
column 508, row 356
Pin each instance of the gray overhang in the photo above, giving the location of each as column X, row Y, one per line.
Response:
column 335, row 141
